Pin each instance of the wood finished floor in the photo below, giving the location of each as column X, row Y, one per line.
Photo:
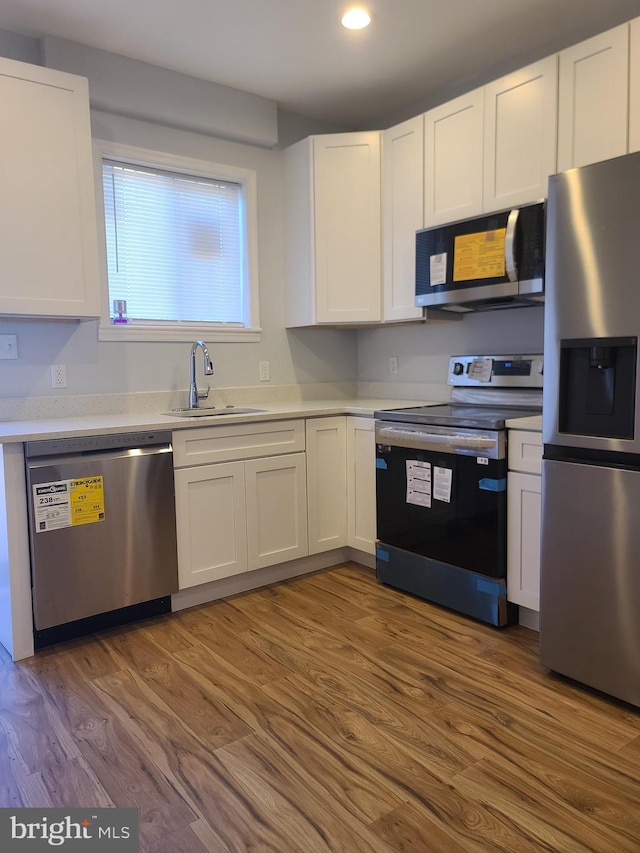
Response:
column 326, row 713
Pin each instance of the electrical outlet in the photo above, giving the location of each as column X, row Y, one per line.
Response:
column 393, row 365
column 265, row 371
column 58, row 376
column 8, row 346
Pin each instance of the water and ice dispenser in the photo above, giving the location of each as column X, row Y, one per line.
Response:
column 598, row 387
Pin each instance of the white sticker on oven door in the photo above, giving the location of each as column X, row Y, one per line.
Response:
column 438, row 269
column 418, row 482
column 419, row 498
column 442, row 478
column 418, row 470
column 482, row 460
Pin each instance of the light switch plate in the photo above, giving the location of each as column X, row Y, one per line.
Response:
column 8, row 346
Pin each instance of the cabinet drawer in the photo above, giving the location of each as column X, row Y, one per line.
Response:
column 203, row 445
column 525, row 451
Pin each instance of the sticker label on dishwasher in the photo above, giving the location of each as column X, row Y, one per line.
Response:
column 68, row 503
column 442, row 478
column 418, row 483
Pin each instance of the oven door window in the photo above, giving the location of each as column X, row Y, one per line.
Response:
column 448, row 507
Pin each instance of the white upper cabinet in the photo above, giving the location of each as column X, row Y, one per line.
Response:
column 402, row 216
column 48, row 237
column 332, row 209
column 593, row 99
column 492, row 148
column 520, row 125
column 634, row 85
column 453, row 142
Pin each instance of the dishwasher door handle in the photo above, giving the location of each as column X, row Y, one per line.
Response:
column 422, row 440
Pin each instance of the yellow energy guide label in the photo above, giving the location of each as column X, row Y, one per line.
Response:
column 68, row 503
column 479, row 255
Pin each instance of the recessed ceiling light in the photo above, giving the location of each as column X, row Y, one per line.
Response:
column 356, row 19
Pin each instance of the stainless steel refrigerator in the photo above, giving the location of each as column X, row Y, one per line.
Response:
column 590, row 572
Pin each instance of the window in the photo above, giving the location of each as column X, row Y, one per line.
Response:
column 179, row 242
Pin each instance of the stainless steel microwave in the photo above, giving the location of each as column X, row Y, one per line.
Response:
column 489, row 262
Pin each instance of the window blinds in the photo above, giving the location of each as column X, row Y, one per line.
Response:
column 175, row 245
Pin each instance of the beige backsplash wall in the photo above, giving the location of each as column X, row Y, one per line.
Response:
column 423, row 351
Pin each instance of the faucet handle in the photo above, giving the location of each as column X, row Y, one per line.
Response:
column 202, row 395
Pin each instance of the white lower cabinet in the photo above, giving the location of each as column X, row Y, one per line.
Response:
column 249, row 496
column 524, row 509
column 341, row 482
column 212, row 524
column 361, row 484
column 276, row 496
column 523, row 560
column 242, row 514
column 326, row 440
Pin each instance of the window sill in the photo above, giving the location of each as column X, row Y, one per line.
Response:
column 210, row 333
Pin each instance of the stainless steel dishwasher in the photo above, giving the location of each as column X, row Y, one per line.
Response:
column 102, row 531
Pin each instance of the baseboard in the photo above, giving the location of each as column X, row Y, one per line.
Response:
column 260, row 577
column 529, row 618
column 367, row 560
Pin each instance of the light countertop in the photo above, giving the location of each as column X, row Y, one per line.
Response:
column 18, row 431
column 533, row 423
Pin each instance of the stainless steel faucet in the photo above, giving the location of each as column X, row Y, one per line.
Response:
column 194, row 394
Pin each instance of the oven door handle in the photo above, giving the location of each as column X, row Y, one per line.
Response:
column 421, row 440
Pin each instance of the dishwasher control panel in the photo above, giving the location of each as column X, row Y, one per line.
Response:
column 92, row 443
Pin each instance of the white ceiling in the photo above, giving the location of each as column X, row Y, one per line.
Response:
column 296, row 53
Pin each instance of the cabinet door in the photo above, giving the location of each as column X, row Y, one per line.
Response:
column 276, row 509
column 361, row 484
column 327, row 483
column 402, row 216
column 523, row 539
column 48, row 237
column 211, row 522
column 347, row 227
column 592, row 120
column 520, row 120
column 453, row 159
column 634, row 85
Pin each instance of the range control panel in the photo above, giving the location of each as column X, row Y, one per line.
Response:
column 496, row 371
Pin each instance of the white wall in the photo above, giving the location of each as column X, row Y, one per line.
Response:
column 297, row 356
column 306, row 355
column 423, row 351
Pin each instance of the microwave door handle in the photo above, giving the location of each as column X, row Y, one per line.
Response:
column 510, row 264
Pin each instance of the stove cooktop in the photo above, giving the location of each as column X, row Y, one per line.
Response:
column 457, row 415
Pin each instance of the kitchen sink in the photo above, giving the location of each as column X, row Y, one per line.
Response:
column 212, row 412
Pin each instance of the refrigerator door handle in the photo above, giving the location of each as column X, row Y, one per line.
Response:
column 511, row 266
